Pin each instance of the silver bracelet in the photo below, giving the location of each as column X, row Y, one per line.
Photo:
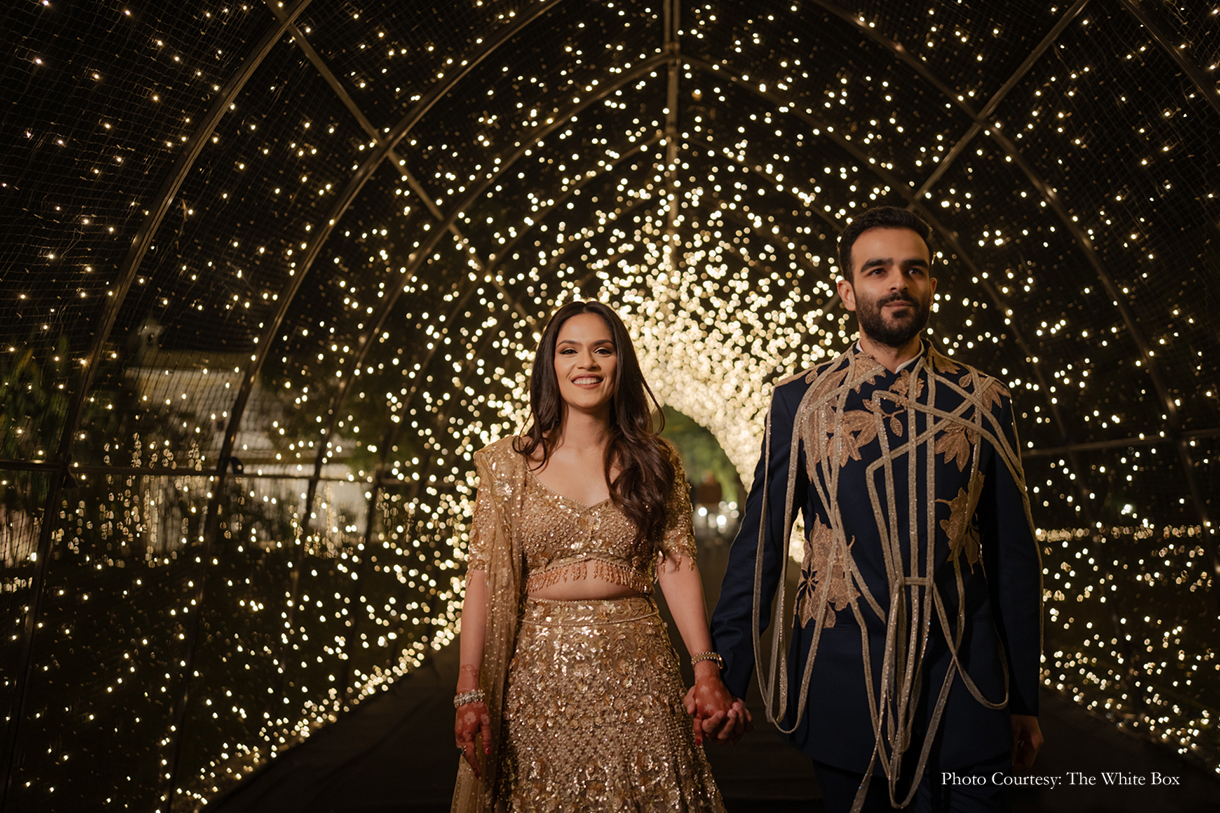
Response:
column 473, row 696
column 708, row 656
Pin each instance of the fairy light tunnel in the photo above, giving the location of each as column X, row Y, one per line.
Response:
column 273, row 271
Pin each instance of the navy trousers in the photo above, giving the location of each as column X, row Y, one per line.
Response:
column 975, row 789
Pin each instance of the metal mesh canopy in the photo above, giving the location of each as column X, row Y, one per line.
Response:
column 271, row 272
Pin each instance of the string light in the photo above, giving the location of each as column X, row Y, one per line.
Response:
column 538, row 180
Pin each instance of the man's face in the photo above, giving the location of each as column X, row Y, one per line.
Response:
column 891, row 288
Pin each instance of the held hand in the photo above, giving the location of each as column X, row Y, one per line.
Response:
column 692, row 708
column 712, row 703
column 693, row 711
column 734, row 725
column 717, row 714
column 472, row 719
column 1027, row 739
column 737, row 723
column 697, row 718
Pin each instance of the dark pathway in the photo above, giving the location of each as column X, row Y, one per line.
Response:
column 395, row 754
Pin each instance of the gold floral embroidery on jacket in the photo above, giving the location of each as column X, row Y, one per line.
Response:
column 942, row 364
column 856, row 429
column 939, row 412
column 824, row 381
column 818, row 586
column 955, row 444
column 888, row 408
column 993, row 394
column 844, row 435
column 906, row 388
column 864, row 371
column 960, row 527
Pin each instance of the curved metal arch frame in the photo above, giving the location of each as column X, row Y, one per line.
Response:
column 1210, row 94
column 1149, row 360
column 286, row 24
column 419, row 257
column 349, row 194
column 993, row 103
column 302, row 3
column 338, row 88
column 1212, row 97
column 127, row 272
column 392, row 435
column 902, row 189
column 1082, row 240
column 1009, row 149
column 447, row 320
column 355, row 185
column 389, row 437
column 1049, row 194
column 918, row 67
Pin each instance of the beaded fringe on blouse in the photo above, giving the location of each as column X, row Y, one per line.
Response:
column 621, row 573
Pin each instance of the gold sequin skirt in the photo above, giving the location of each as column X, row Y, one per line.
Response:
column 593, row 714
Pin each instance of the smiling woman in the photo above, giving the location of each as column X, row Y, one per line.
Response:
column 582, row 515
column 277, row 269
column 587, row 378
column 585, row 365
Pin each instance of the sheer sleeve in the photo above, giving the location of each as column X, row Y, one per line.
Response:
column 679, row 537
column 482, row 527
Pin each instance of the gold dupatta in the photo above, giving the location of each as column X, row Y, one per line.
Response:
column 502, row 471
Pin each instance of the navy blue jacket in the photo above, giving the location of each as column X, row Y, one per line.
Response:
column 981, row 531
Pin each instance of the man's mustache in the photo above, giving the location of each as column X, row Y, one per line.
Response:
column 898, row 298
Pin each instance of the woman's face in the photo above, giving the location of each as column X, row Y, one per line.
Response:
column 586, row 361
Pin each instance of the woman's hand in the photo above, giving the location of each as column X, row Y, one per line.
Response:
column 713, row 703
column 717, row 714
column 716, row 711
column 472, row 719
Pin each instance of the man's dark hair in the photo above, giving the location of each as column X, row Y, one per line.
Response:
column 881, row 217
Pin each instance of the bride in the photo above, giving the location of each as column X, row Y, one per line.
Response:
column 569, row 695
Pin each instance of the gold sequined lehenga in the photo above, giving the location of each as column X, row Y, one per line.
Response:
column 585, row 696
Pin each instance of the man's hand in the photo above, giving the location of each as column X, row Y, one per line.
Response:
column 1027, row 739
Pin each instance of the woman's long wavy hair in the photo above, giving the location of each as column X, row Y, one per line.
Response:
column 645, row 474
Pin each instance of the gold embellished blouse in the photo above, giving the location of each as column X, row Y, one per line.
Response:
column 562, row 539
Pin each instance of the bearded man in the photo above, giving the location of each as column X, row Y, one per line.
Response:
column 913, row 672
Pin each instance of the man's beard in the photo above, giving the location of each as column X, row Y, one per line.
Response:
column 892, row 331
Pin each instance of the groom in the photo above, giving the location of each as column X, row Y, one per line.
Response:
column 913, row 672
